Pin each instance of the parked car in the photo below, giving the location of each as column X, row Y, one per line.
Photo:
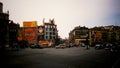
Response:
column 108, row 46
column 15, row 47
column 82, row 44
column 98, row 46
column 112, row 47
column 36, row 46
column 60, row 46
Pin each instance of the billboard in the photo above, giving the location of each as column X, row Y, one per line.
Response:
column 29, row 23
column 81, row 34
column 40, row 30
column 20, row 34
column 30, row 34
column 44, row 43
column 98, row 35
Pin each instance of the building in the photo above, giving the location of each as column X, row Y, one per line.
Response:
column 44, row 34
column 50, row 30
column 41, row 40
column 105, row 34
column 48, row 33
column 40, row 33
column 13, row 33
column 4, row 23
column 20, row 34
column 79, row 35
column 95, row 35
column 113, row 33
column 30, row 31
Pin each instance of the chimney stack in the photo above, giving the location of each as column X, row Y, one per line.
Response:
column 1, row 7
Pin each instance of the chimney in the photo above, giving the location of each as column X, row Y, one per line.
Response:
column 1, row 7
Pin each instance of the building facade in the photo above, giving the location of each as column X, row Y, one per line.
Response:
column 79, row 35
column 44, row 34
column 95, row 35
column 30, row 31
column 48, row 33
column 40, row 33
column 113, row 33
column 105, row 34
column 50, row 30
column 4, row 30
column 13, row 33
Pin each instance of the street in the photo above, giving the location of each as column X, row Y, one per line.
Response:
column 58, row 58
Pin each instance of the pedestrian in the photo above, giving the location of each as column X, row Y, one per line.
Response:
column 87, row 44
column 87, row 47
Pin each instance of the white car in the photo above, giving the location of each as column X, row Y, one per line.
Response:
column 82, row 44
column 60, row 46
column 98, row 46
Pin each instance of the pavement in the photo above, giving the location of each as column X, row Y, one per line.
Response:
column 59, row 58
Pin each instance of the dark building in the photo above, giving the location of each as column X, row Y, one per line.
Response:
column 4, row 23
column 105, row 34
column 113, row 33
column 13, row 33
column 1, row 7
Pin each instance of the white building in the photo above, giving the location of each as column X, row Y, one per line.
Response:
column 50, row 30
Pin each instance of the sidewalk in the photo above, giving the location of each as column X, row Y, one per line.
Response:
column 117, row 63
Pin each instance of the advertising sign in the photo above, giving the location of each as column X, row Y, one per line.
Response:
column 81, row 35
column 20, row 34
column 98, row 35
column 43, row 43
column 30, row 34
column 30, row 23
column 40, row 30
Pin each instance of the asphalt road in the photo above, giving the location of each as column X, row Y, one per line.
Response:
column 58, row 58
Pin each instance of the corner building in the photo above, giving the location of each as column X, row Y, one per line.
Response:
column 47, row 33
column 50, row 30
column 79, row 35
column 4, row 28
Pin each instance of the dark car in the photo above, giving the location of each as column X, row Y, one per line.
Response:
column 108, row 46
column 36, row 46
column 15, row 46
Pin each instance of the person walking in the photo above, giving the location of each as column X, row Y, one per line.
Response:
column 87, row 44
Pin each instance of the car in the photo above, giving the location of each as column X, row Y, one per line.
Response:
column 82, row 44
column 15, row 46
column 36, row 46
column 108, row 46
column 60, row 46
column 98, row 46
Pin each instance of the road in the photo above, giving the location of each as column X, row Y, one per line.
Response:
column 58, row 58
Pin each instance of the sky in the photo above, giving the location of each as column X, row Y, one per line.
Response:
column 66, row 13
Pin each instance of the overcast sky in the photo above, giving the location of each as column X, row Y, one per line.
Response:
column 67, row 13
